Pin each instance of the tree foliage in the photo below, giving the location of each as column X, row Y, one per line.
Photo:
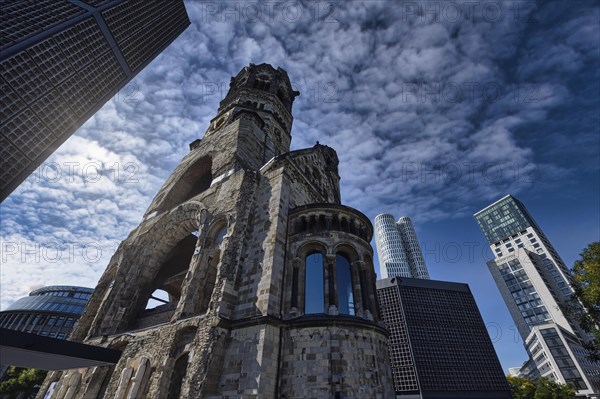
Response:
column 22, row 381
column 585, row 278
column 542, row 388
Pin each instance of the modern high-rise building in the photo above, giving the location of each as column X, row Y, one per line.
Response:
column 61, row 60
column 534, row 281
column 49, row 311
column 398, row 249
column 439, row 345
column 269, row 279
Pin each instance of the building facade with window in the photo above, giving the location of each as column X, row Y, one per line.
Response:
column 534, row 281
column 398, row 249
column 49, row 311
column 61, row 60
column 439, row 344
column 269, row 279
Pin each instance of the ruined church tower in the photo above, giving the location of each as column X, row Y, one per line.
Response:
column 268, row 280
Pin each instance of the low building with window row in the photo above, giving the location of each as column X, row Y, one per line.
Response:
column 49, row 311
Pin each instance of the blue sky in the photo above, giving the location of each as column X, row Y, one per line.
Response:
column 436, row 109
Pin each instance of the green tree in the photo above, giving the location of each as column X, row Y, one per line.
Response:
column 22, row 381
column 548, row 389
column 542, row 388
column 585, row 278
column 521, row 388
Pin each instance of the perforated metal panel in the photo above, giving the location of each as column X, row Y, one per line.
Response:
column 25, row 78
column 102, row 76
column 55, row 112
column 76, row 93
column 82, row 43
column 96, row 3
column 61, row 63
column 51, row 61
column 28, row 133
column 10, row 103
column 139, row 35
column 22, row 19
column 12, row 161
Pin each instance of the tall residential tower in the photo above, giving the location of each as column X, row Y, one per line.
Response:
column 61, row 60
column 398, row 249
column 534, row 282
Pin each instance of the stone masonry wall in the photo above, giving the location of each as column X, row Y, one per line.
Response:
column 335, row 361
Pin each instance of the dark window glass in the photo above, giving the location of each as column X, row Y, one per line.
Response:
column 344, row 285
column 315, row 299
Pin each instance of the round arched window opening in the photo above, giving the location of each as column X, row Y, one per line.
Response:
column 220, row 235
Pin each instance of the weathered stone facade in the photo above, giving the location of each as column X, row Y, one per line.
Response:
column 227, row 237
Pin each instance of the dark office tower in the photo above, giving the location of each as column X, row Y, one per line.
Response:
column 439, row 345
column 61, row 60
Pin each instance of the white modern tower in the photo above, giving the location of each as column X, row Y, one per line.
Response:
column 533, row 281
column 398, row 248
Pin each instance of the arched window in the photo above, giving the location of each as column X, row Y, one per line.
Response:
column 219, row 235
column 196, row 179
column 344, row 285
column 164, row 292
column 262, row 82
column 157, row 298
column 179, row 371
column 314, row 296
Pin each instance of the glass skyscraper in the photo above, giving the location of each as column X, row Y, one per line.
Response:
column 61, row 60
column 398, row 248
column 49, row 311
column 534, row 281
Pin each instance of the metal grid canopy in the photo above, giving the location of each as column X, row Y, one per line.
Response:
column 61, row 60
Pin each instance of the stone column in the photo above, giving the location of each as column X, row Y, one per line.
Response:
column 196, row 275
column 295, row 286
column 301, row 284
column 138, row 378
column 329, row 222
column 124, row 379
column 331, row 297
column 355, row 268
column 372, row 291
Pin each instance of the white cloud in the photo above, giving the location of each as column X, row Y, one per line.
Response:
column 357, row 71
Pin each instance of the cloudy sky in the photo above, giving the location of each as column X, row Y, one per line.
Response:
column 436, row 109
